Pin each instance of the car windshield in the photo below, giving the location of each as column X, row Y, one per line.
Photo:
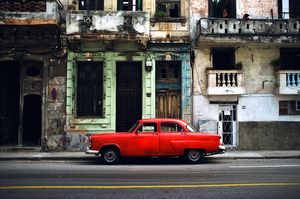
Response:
column 133, row 127
column 191, row 128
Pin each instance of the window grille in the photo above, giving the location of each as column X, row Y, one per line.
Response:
column 89, row 91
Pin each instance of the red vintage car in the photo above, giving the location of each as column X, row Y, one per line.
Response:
column 156, row 137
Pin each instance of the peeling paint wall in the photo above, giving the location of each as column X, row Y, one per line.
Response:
column 259, row 106
column 56, row 114
column 113, row 22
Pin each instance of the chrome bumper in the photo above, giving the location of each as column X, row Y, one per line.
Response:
column 222, row 148
column 89, row 151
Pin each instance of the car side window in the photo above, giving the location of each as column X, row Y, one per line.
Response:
column 170, row 127
column 148, row 127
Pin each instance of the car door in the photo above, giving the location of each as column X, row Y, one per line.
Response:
column 171, row 138
column 146, row 140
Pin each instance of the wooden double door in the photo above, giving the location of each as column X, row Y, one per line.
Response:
column 168, row 89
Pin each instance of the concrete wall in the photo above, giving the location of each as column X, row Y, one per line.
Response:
column 269, row 135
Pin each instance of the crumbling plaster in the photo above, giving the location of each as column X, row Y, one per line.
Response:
column 256, row 68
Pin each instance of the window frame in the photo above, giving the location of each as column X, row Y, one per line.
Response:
column 288, row 107
column 100, row 109
column 147, row 124
column 177, row 126
column 168, row 8
column 98, row 5
column 133, row 5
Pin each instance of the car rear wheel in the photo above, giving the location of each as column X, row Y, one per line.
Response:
column 110, row 155
column 193, row 156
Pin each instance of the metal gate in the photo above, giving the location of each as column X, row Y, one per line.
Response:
column 129, row 94
column 227, row 124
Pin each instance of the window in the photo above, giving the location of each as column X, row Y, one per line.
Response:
column 89, row 89
column 290, row 58
column 170, row 127
column 148, row 127
column 130, row 5
column 222, row 8
column 91, row 4
column 289, row 107
column 223, row 58
column 168, row 71
column 288, row 9
column 167, row 8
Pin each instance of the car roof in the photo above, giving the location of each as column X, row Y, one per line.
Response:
column 164, row 120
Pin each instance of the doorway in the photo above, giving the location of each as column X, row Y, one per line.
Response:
column 9, row 102
column 128, row 94
column 227, row 125
column 32, row 123
column 168, row 89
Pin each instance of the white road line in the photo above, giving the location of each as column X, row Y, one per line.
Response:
column 263, row 166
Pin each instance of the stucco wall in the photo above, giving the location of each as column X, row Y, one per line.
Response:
column 269, row 135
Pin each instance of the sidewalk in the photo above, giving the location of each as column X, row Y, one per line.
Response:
column 4, row 156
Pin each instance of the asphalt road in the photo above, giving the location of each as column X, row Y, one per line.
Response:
column 151, row 178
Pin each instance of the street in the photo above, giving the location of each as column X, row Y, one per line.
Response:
column 151, row 178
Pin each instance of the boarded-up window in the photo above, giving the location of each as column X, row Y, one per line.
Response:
column 89, row 92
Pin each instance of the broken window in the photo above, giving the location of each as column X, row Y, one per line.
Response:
column 130, row 5
column 289, row 107
column 290, row 58
column 223, row 58
column 167, row 8
column 222, row 8
column 91, row 4
column 89, row 91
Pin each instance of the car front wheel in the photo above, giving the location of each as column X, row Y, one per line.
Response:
column 193, row 156
column 110, row 155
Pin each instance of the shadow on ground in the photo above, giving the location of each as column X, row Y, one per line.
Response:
column 151, row 161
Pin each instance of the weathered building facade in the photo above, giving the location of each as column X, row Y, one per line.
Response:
column 246, row 71
column 125, row 63
column 32, row 76
column 74, row 67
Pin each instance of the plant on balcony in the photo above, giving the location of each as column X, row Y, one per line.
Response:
column 159, row 14
column 239, row 66
column 275, row 63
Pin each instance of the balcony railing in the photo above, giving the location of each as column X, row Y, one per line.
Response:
column 250, row 27
column 289, row 81
column 110, row 23
column 41, row 12
column 225, row 82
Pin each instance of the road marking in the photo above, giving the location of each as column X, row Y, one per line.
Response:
column 263, row 166
column 154, row 186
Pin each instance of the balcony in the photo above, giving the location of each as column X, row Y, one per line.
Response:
column 288, row 82
column 41, row 12
column 108, row 25
column 255, row 30
column 225, row 82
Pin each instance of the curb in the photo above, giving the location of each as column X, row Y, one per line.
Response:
column 93, row 158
